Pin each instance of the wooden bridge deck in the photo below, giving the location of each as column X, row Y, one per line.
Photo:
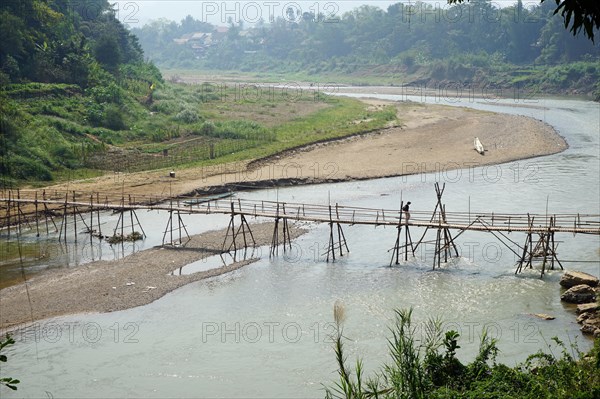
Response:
column 37, row 202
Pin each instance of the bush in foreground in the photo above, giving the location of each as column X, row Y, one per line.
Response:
column 430, row 369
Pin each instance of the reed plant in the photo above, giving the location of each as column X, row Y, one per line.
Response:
column 426, row 366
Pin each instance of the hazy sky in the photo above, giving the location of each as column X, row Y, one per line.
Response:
column 140, row 12
column 217, row 12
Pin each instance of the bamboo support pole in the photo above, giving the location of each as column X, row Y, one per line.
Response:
column 20, row 206
column 396, row 248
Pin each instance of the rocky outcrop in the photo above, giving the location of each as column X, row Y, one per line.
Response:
column 588, row 307
column 579, row 294
column 583, row 317
column 591, row 325
column 590, row 318
column 587, row 328
column 572, row 278
column 583, row 289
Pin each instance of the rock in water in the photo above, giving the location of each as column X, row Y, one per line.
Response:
column 571, row 278
column 588, row 307
column 591, row 325
column 579, row 294
column 588, row 329
column 583, row 317
column 543, row 316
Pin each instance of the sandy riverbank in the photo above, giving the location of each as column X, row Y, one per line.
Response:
column 429, row 138
column 102, row 286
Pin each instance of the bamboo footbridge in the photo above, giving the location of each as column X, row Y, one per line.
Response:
column 45, row 210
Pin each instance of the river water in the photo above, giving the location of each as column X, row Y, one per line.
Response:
column 263, row 331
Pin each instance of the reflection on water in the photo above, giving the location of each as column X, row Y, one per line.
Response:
column 264, row 330
column 51, row 250
column 221, row 260
column 18, row 256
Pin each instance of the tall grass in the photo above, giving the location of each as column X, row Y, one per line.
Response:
column 429, row 368
column 51, row 130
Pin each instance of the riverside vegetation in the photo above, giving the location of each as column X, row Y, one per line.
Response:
column 67, row 132
column 77, row 99
column 521, row 47
column 429, row 368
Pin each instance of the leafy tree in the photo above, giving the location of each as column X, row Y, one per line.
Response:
column 107, row 52
column 80, row 67
column 584, row 13
column 113, row 118
column 189, row 24
column 12, row 30
column 407, row 36
column 577, row 15
column 58, row 41
column 557, row 45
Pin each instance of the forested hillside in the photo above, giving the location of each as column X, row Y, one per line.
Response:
column 77, row 99
column 471, row 42
column 69, row 74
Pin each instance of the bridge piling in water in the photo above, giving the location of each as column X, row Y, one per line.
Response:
column 170, row 228
column 397, row 249
column 545, row 248
column 236, row 232
column 341, row 241
column 287, row 241
column 20, row 207
column 444, row 242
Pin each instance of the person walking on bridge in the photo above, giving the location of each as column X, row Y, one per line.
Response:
column 405, row 209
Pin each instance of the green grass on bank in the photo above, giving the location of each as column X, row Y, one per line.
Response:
column 55, row 132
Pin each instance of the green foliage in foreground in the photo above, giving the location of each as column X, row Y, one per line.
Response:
column 8, row 382
column 430, row 369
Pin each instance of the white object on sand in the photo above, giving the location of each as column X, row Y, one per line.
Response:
column 478, row 146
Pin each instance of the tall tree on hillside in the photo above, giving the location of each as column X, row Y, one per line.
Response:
column 521, row 29
column 108, row 52
column 558, row 45
column 14, row 43
column 577, row 15
column 189, row 24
